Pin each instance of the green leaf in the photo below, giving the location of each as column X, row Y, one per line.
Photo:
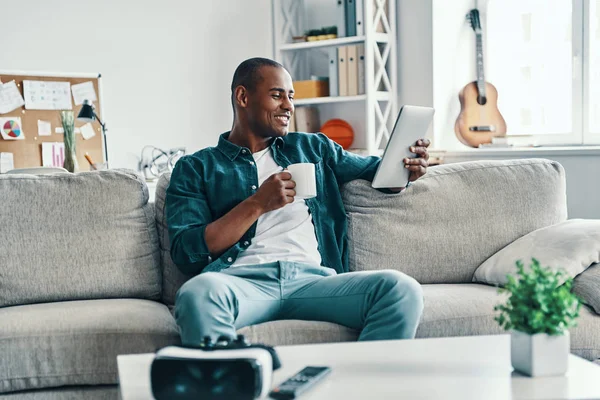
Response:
column 537, row 302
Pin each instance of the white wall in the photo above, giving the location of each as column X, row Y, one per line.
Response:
column 166, row 66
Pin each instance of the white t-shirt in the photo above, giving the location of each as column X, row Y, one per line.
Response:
column 285, row 234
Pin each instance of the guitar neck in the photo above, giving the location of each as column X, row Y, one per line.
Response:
column 479, row 63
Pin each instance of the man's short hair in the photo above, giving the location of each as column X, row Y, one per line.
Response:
column 247, row 74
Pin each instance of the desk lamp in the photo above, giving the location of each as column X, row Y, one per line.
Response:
column 87, row 114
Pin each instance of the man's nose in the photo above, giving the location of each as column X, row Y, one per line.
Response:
column 287, row 104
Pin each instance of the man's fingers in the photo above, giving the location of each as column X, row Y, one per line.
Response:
column 289, row 184
column 421, row 151
column 423, row 142
column 415, row 161
column 286, row 176
column 289, row 195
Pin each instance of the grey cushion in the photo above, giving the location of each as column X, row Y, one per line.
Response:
column 68, row 393
column 77, row 342
column 292, row 332
column 468, row 309
column 77, row 236
column 173, row 278
column 451, row 220
column 571, row 246
column 587, row 287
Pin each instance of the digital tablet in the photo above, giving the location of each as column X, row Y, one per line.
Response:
column 411, row 125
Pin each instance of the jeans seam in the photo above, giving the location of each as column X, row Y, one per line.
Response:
column 330, row 297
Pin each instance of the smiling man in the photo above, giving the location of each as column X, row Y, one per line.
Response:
column 260, row 254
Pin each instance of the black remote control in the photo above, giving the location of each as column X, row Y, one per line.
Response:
column 299, row 383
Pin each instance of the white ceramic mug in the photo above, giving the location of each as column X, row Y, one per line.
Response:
column 306, row 182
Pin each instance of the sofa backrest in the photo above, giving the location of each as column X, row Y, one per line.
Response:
column 452, row 219
column 172, row 277
column 77, row 236
column 442, row 228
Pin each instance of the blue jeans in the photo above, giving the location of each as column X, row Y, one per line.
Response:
column 381, row 304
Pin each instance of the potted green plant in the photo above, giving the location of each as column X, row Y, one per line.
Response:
column 538, row 312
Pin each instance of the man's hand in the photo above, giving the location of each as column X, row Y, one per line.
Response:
column 275, row 192
column 418, row 166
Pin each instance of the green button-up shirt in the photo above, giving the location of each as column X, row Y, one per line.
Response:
column 208, row 184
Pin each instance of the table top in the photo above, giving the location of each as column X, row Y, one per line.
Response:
column 471, row 367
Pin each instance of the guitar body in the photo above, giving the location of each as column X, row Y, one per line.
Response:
column 478, row 123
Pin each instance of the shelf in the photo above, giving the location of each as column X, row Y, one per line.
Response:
column 380, row 96
column 328, row 99
column 379, row 37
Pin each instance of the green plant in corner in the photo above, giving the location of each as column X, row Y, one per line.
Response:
column 538, row 302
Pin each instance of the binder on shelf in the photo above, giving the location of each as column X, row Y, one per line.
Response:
column 352, row 70
column 341, row 18
column 360, row 59
column 342, row 71
column 350, row 18
column 307, row 119
column 360, row 15
column 333, row 72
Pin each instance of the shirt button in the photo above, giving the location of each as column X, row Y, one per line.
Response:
column 246, row 243
column 244, row 151
column 251, row 162
column 253, row 187
column 229, row 259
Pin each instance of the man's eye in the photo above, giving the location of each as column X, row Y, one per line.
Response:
column 292, row 98
column 276, row 96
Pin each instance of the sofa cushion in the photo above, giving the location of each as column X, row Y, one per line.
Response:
column 77, row 236
column 571, row 246
column 587, row 286
column 77, row 342
column 452, row 219
column 292, row 332
column 468, row 309
column 172, row 277
column 101, row 392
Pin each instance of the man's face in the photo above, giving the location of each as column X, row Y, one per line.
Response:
column 270, row 105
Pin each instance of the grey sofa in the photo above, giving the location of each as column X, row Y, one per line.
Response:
column 85, row 272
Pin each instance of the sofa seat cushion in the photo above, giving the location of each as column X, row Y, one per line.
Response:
column 293, row 332
column 77, row 342
column 468, row 309
column 450, row 310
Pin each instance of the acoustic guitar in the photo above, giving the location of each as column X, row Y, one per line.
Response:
column 479, row 119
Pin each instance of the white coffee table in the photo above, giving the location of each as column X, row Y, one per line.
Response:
column 473, row 367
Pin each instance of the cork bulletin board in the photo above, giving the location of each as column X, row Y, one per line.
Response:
column 28, row 152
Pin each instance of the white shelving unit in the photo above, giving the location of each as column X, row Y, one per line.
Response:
column 380, row 98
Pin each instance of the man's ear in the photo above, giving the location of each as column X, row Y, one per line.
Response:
column 241, row 96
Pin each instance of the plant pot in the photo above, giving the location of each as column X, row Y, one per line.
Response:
column 540, row 354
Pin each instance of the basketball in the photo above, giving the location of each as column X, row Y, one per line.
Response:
column 339, row 131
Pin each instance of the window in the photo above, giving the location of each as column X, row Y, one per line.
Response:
column 593, row 86
column 534, row 58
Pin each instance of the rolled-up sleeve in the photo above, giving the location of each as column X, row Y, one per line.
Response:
column 188, row 215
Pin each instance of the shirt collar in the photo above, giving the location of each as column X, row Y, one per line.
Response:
column 233, row 150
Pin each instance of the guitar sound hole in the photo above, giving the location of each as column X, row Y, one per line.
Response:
column 481, row 100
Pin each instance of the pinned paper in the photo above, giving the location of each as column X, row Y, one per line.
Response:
column 87, row 131
column 6, row 162
column 47, row 95
column 10, row 97
column 11, row 128
column 83, row 91
column 53, row 154
column 44, row 128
